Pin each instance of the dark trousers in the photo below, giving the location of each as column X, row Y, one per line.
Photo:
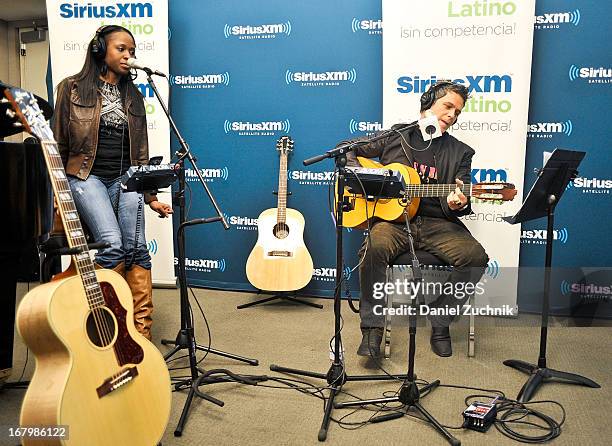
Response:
column 446, row 240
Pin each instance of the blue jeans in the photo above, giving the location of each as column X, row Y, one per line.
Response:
column 96, row 201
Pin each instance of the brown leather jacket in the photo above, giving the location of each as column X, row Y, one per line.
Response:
column 75, row 126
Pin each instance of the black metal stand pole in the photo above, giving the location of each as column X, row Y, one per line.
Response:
column 538, row 374
column 336, row 376
column 185, row 338
column 409, row 393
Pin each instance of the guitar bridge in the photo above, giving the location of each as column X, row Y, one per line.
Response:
column 280, row 254
column 114, row 382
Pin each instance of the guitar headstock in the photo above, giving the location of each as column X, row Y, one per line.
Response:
column 23, row 111
column 494, row 191
column 284, row 145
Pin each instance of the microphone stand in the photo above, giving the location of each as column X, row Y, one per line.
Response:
column 336, row 376
column 185, row 339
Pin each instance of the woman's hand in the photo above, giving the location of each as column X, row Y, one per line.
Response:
column 162, row 209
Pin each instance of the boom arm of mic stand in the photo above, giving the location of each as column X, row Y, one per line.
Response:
column 186, row 153
column 350, row 146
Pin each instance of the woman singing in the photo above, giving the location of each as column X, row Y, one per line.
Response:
column 101, row 130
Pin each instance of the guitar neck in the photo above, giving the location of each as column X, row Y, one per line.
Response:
column 436, row 190
column 281, row 214
column 72, row 223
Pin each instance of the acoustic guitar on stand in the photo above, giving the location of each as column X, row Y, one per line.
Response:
column 280, row 261
column 363, row 208
column 96, row 377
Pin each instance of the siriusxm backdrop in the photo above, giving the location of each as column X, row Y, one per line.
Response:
column 572, row 79
column 242, row 76
column 71, row 28
column 434, row 40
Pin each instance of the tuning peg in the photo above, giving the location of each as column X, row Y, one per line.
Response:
column 10, row 113
column 17, row 124
column 4, row 101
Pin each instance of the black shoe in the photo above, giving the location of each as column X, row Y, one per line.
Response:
column 370, row 342
column 441, row 341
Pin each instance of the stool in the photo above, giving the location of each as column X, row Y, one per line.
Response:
column 432, row 268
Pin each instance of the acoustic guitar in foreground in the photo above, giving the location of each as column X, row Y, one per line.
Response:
column 97, row 380
column 280, row 261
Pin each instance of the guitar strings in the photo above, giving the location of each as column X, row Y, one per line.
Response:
column 73, row 226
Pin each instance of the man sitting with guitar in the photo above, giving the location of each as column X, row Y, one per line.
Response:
column 436, row 227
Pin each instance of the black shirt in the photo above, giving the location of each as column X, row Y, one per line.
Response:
column 425, row 165
column 113, row 151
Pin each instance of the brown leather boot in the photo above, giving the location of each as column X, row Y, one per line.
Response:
column 139, row 280
column 119, row 269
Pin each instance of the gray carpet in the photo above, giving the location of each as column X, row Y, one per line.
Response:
column 297, row 336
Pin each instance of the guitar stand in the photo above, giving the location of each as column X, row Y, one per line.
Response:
column 283, row 295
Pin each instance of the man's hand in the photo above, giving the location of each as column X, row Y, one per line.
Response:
column 456, row 200
column 162, row 209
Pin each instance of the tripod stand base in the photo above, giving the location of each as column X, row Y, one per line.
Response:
column 281, row 296
column 409, row 395
column 539, row 376
column 335, row 377
column 182, row 342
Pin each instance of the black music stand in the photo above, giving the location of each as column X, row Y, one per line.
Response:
column 540, row 202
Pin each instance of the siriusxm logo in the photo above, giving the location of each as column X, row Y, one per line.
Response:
column 599, row 75
column 242, row 223
column 547, row 129
column 364, row 126
column 208, row 175
column 145, row 90
column 309, row 178
column 262, row 128
column 591, row 185
column 492, row 270
column 200, row 81
column 152, row 246
column 329, row 274
column 203, row 265
column 368, row 25
column 590, row 290
column 475, row 83
column 89, row 11
column 320, row 79
column 488, row 175
column 538, row 236
column 552, row 20
column 249, row 32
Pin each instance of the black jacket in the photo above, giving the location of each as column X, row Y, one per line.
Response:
column 452, row 158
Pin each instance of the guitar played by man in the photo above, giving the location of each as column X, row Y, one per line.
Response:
column 436, row 227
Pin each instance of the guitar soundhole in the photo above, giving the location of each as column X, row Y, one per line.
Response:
column 100, row 327
column 281, row 230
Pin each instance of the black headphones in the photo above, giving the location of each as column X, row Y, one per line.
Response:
column 429, row 97
column 98, row 43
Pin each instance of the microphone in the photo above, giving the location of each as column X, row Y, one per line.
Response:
column 429, row 125
column 133, row 63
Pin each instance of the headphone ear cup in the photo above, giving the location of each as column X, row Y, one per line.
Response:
column 426, row 99
column 98, row 46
